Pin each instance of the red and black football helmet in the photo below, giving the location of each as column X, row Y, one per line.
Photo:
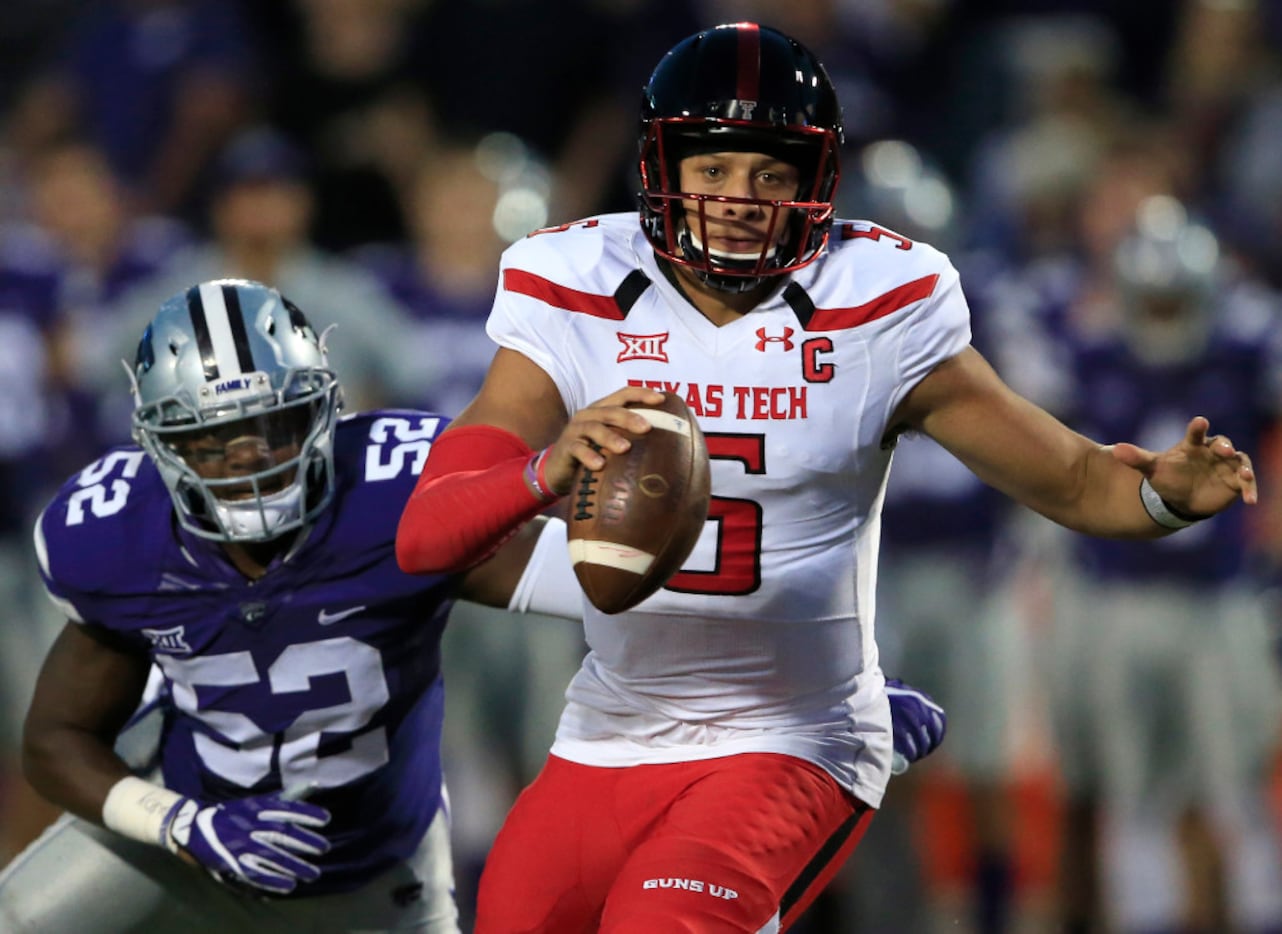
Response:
column 739, row 88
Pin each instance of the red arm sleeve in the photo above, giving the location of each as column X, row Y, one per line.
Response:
column 471, row 498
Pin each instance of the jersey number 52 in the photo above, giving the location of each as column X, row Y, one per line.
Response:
column 240, row 751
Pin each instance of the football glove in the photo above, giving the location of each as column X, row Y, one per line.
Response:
column 260, row 842
column 917, row 724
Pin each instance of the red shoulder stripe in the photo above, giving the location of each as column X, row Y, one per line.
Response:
column 839, row 319
column 561, row 296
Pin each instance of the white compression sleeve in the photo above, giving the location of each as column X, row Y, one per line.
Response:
column 548, row 584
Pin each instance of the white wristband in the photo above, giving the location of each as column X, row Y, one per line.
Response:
column 1160, row 511
column 138, row 809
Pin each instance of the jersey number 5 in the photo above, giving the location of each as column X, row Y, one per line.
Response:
column 737, row 570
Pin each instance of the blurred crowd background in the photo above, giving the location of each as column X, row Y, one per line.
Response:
column 1106, row 175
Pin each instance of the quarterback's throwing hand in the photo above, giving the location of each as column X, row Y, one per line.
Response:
column 594, row 432
column 917, row 724
column 259, row 842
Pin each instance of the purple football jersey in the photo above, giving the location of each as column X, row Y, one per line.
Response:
column 325, row 672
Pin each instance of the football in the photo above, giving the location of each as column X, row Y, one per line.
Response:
column 633, row 523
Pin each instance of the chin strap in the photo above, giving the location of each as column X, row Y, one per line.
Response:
column 693, row 252
column 261, row 518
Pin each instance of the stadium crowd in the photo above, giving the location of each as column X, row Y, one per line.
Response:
column 1105, row 177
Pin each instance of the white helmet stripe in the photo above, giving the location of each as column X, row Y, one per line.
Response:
column 218, row 320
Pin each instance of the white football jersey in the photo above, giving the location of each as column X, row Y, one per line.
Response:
column 763, row 642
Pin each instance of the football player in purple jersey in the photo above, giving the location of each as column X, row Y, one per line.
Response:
column 243, row 556
column 245, row 549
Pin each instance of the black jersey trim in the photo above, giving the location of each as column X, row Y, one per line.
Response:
column 630, row 289
column 800, row 303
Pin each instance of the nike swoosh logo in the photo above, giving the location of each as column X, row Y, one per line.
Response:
column 329, row 619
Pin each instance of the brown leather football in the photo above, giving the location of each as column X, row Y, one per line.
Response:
column 633, row 523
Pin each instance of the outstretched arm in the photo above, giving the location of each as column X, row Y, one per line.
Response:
column 1022, row 450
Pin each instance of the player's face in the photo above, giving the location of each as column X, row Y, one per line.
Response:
column 246, row 447
column 735, row 216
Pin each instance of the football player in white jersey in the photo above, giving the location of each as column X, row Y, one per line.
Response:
column 724, row 743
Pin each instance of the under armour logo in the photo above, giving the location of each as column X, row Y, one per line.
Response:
column 769, row 339
column 642, row 347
